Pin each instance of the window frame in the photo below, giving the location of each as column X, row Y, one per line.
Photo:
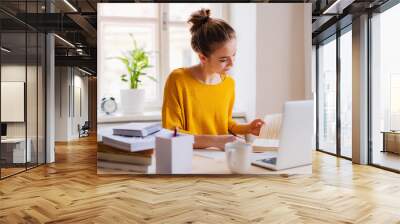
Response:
column 103, row 20
column 334, row 37
column 342, row 32
column 371, row 14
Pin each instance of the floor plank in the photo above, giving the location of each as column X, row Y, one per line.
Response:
column 70, row 191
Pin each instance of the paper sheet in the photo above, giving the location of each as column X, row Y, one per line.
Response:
column 220, row 155
column 210, row 154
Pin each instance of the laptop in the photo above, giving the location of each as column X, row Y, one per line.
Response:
column 296, row 138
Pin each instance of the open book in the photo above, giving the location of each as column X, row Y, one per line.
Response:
column 268, row 140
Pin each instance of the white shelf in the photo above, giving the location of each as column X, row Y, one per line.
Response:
column 18, row 149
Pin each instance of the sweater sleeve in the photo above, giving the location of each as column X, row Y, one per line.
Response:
column 172, row 114
column 233, row 126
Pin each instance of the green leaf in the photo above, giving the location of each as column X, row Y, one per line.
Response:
column 152, row 78
column 123, row 60
column 136, row 60
column 123, row 78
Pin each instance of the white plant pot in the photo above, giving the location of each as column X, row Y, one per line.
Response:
column 132, row 101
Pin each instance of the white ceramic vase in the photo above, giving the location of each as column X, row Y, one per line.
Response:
column 132, row 101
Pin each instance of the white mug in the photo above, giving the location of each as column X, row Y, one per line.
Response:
column 238, row 156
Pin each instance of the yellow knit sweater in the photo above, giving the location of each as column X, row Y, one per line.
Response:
column 197, row 108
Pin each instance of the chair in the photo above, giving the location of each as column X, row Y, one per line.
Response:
column 84, row 130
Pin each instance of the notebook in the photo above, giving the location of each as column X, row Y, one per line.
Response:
column 137, row 129
column 122, row 166
column 131, row 144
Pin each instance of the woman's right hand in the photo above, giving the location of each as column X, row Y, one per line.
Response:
column 214, row 141
column 221, row 140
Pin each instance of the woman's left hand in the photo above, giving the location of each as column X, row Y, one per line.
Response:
column 255, row 126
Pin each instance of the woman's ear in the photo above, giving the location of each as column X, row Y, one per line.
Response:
column 202, row 58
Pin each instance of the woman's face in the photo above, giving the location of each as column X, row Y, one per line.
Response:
column 222, row 59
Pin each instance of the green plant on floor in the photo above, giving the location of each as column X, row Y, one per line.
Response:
column 135, row 61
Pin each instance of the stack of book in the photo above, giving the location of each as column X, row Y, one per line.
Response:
column 112, row 158
column 128, row 147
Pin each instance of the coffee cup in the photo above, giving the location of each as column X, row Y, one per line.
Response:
column 249, row 138
column 238, row 156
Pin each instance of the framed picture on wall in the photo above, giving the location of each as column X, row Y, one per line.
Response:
column 12, row 101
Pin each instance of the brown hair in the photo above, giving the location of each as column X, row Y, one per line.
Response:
column 208, row 32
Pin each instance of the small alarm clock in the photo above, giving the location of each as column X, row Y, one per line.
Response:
column 108, row 105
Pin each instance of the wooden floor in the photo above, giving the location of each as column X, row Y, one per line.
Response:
column 10, row 171
column 69, row 191
column 5, row 172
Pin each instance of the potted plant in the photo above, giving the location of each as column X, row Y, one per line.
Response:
column 136, row 61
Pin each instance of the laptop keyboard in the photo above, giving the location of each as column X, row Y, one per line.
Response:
column 269, row 161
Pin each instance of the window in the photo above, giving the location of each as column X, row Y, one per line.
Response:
column 327, row 96
column 395, row 101
column 137, row 10
column 117, row 23
column 346, row 94
column 335, row 93
column 385, row 88
column 160, row 29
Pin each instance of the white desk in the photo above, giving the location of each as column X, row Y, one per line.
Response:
column 16, row 147
column 202, row 164
column 117, row 119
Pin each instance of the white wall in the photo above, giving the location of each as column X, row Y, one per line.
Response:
column 12, row 72
column 67, row 83
column 273, row 62
column 242, row 17
column 312, row 81
column 283, row 55
column 33, row 126
column 62, row 81
column 80, row 83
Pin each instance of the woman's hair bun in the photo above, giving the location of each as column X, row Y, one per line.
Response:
column 208, row 33
column 198, row 18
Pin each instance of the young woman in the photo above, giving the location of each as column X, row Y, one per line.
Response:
column 199, row 99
